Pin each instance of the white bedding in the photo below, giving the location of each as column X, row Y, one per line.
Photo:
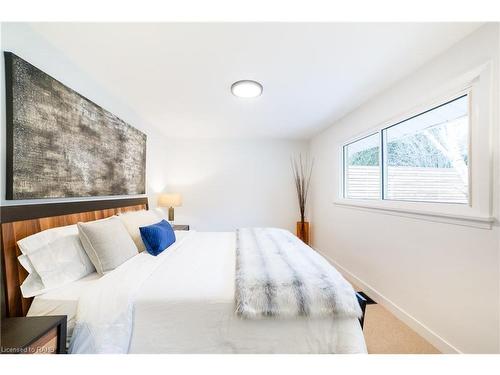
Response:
column 186, row 305
column 62, row 301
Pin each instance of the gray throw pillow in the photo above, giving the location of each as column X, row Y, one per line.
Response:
column 107, row 243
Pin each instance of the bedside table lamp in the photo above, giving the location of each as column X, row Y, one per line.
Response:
column 170, row 200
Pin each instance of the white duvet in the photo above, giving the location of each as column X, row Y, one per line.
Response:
column 183, row 302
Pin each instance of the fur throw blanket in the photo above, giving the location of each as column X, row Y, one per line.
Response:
column 277, row 275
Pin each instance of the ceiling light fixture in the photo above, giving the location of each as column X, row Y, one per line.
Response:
column 246, row 89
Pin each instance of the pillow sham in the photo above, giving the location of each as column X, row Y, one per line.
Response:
column 33, row 284
column 157, row 237
column 135, row 219
column 107, row 243
column 53, row 257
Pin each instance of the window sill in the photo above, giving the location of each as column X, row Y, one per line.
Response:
column 476, row 221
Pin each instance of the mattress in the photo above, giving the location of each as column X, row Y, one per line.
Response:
column 187, row 306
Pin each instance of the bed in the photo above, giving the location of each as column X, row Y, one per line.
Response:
column 187, row 305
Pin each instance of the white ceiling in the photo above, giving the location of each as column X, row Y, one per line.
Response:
column 177, row 76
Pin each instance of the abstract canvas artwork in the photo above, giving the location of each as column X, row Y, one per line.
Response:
column 60, row 144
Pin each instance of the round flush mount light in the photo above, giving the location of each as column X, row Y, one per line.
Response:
column 246, row 89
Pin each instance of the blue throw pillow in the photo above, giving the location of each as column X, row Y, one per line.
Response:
column 157, row 237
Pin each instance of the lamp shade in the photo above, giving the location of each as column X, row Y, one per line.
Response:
column 170, row 200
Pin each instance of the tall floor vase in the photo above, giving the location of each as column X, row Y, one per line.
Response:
column 303, row 231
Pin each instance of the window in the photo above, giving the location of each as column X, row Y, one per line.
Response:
column 427, row 155
column 425, row 158
column 362, row 168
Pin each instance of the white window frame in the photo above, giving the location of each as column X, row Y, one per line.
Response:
column 478, row 85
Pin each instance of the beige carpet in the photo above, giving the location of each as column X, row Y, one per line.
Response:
column 385, row 334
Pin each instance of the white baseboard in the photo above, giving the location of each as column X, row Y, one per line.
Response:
column 440, row 343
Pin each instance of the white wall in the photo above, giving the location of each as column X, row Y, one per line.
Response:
column 225, row 183
column 229, row 184
column 442, row 279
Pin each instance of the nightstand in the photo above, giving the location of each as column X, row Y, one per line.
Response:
column 180, row 227
column 34, row 335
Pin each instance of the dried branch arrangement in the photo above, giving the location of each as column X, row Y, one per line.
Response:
column 302, row 171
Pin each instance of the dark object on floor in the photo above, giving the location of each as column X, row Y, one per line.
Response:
column 362, row 304
column 369, row 301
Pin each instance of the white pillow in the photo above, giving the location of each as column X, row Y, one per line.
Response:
column 53, row 257
column 32, row 285
column 135, row 219
column 107, row 243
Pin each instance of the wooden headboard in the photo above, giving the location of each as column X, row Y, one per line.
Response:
column 18, row 222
